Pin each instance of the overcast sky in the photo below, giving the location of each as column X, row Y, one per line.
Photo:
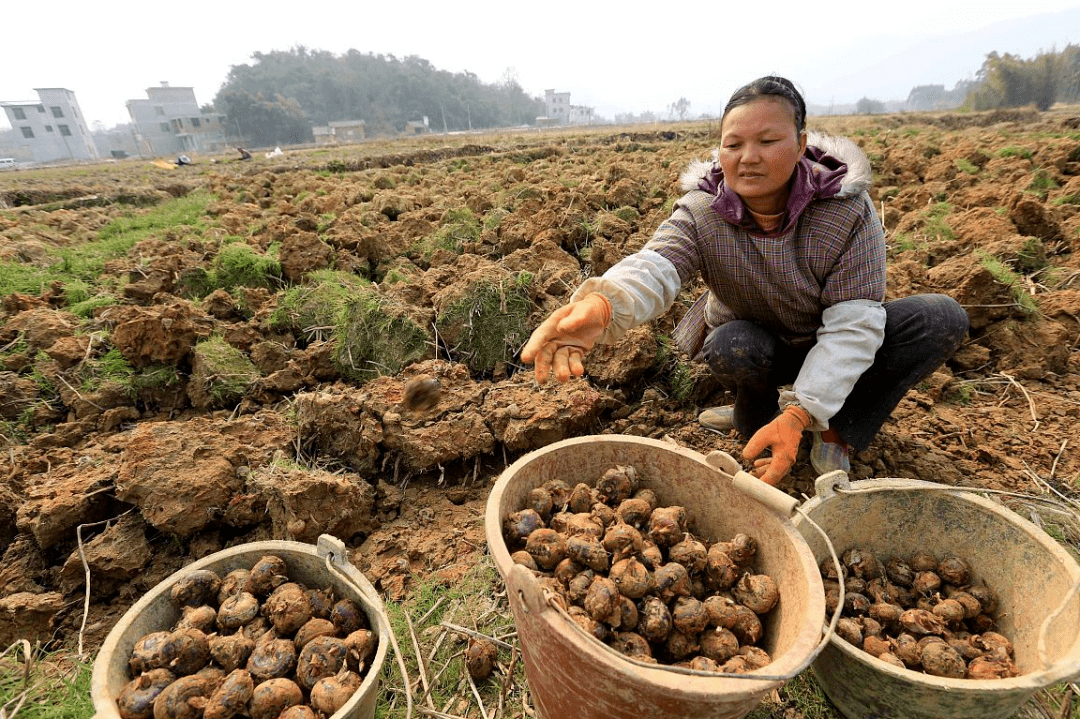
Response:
column 615, row 57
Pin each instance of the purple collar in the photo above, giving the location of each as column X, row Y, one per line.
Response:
column 818, row 175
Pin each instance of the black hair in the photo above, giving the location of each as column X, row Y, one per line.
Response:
column 770, row 85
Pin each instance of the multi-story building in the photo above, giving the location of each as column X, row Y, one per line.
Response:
column 557, row 106
column 52, row 129
column 561, row 112
column 169, row 122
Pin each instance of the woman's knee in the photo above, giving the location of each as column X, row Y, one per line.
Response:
column 737, row 348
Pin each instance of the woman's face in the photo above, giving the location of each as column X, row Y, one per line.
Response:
column 759, row 148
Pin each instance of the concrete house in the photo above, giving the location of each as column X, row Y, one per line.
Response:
column 169, row 122
column 52, row 129
column 340, row 132
column 559, row 111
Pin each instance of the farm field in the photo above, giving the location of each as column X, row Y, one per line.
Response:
column 196, row 357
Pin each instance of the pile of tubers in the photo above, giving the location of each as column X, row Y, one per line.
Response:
column 251, row 645
column 919, row 613
column 630, row 573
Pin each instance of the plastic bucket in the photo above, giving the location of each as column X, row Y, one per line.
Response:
column 1036, row 581
column 570, row 673
column 306, row 563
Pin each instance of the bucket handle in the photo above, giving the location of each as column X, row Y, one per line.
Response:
column 332, row 550
column 787, row 507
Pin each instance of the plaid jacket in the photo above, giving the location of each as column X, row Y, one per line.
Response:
column 834, row 253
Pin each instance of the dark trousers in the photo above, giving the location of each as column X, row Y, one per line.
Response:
column 921, row 332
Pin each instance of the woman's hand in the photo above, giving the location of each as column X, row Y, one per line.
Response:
column 560, row 342
column 781, row 437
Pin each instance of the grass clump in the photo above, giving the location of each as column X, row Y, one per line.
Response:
column 966, row 166
column 488, row 323
column 311, row 310
column 44, row 685
column 240, row 265
column 934, row 221
column 374, row 336
column 85, row 308
column 109, row 369
column 155, row 378
column 220, row 374
column 1004, row 274
column 675, row 371
column 904, row 242
column 1013, row 151
column 1041, row 184
column 459, row 227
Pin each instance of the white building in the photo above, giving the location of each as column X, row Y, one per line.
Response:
column 52, row 129
column 169, row 121
column 559, row 111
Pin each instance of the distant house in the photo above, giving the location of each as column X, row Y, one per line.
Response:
column 340, row 132
column 417, row 127
column 52, row 129
column 169, row 122
column 558, row 110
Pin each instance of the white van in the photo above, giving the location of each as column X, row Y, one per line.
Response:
column 6, row 162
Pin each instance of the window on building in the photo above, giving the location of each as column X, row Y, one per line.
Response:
column 48, row 128
column 27, row 132
column 57, row 111
column 195, row 122
column 17, row 113
column 159, row 109
column 41, row 109
column 165, row 127
column 64, row 130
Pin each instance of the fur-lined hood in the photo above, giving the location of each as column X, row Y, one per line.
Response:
column 856, row 180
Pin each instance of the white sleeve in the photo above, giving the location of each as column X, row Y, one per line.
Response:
column 640, row 287
column 847, row 341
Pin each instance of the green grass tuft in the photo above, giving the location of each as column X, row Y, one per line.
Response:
column 240, row 265
column 312, row 310
column 488, row 324
column 222, row 371
column 1004, row 274
column 374, row 337
column 48, row 686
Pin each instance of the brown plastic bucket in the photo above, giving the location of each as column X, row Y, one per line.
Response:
column 324, row 565
column 1036, row 580
column 570, row 673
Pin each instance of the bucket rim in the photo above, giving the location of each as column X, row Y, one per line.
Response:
column 702, row 683
column 1066, row 667
column 99, row 695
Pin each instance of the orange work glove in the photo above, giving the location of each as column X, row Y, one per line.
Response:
column 561, row 341
column 781, row 437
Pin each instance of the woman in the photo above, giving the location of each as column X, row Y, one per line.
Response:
column 783, row 233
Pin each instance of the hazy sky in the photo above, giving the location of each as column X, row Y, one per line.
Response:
column 615, row 57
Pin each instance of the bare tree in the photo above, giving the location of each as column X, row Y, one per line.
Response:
column 679, row 108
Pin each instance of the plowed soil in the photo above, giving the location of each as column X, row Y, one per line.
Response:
column 152, row 483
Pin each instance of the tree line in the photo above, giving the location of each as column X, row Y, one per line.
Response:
column 279, row 97
column 1011, row 81
column 1003, row 81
